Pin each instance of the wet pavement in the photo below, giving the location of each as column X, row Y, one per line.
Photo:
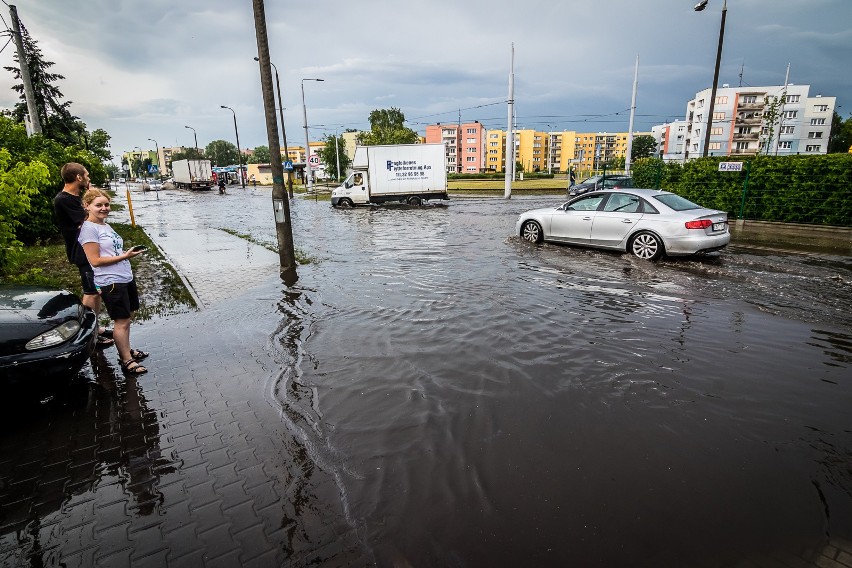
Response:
column 435, row 392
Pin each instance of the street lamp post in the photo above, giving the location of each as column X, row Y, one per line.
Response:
column 157, row 146
column 549, row 149
column 699, row 7
column 307, row 138
column 195, row 136
column 337, row 151
column 283, row 128
column 140, row 160
column 239, row 152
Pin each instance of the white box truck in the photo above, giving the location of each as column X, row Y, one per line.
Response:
column 407, row 173
column 192, row 174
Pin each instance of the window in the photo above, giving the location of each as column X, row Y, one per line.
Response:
column 814, row 134
column 471, row 158
column 812, row 148
column 715, row 146
column 623, row 203
column 471, row 140
column 821, row 108
column 716, row 130
column 493, row 144
column 791, row 114
column 471, row 150
column 699, row 117
column 817, row 121
column 680, row 128
column 721, row 100
column 749, row 99
column 448, row 132
column 786, row 130
column 471, row 130
column 742, row 145
column 792, row 99
column 701, row 103
column 785, row 145
column 744, row 130
column 494, row 135
column 718, row 116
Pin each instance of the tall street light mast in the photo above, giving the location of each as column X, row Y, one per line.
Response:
column 698, row 8
column 307, row 138
column 283, row 127
column 239, row 151
column 195, row 136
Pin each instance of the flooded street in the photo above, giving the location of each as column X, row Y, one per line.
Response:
column 481, row 401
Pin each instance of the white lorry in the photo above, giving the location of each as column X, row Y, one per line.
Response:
column 192, row 174
column 407, row 173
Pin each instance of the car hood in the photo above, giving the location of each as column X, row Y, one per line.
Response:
column 26, row 311
column 542, row 211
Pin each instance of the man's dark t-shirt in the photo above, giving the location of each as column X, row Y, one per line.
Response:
column 69, row 215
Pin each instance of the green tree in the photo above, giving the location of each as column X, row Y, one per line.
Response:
column 99, row 144
column 840, row 139
column 771, row 116
column 330, row 156
column 188, row 154
column 644, row 146
column 260, row 155
column 18, row 185
column 222, row 153
column 387, row 126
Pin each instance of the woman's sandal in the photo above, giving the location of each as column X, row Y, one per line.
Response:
column 132, row 367
column 138, row 354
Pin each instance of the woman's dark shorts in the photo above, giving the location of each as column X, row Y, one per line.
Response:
column 120, row 300
column 87, row 278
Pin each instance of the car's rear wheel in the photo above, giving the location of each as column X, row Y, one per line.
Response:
column 531, row 231
column 646, row 246
column 414, row 201
column 345, row 202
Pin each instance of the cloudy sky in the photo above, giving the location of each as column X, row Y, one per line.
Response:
column 145, row 70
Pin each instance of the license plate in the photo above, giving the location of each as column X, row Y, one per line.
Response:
column 718, row 226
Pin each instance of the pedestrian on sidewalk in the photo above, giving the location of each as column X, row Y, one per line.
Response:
column 113, row 275
column 69, row 215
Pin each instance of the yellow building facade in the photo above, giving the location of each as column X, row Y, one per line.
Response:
column 556, row 151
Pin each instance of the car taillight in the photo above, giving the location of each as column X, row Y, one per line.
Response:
column 699, row 224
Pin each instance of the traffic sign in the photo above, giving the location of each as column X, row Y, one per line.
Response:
column 314, row 160
column 730, row 166
column 288, row 166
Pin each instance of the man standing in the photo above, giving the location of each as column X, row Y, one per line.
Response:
column 69, row 215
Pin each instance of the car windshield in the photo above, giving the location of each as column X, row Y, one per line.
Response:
column 676, row 202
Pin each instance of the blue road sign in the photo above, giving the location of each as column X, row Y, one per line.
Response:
column 288, row 166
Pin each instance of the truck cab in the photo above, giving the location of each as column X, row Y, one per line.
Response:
column 353, row 191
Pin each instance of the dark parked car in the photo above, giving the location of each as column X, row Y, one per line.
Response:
column 46, row 336
column 600, row 182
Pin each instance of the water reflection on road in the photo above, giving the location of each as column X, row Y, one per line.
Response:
column 485, row 402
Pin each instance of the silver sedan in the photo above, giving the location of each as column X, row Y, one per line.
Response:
column 645, row 222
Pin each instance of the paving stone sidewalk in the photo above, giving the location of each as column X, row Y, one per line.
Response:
column 191, row 464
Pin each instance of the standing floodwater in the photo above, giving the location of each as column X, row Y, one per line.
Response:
column 480, row 401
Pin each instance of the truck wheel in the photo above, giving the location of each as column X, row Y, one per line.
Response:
column 345, row 202
column 414, row 201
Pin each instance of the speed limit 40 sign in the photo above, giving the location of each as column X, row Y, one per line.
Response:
column 314, row 160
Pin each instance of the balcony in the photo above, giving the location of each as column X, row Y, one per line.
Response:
column 746, row 136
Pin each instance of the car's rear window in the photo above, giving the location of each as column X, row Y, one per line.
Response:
column 676, row 202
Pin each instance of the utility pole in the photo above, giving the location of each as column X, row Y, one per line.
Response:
column 280, row 203
column 29, row 93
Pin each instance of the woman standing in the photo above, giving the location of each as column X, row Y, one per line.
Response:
column 113, row 275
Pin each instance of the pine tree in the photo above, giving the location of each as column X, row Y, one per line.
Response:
column 57, row 122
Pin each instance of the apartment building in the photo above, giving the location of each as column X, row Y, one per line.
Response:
column 744, row 124
column 464, row 145
column 671, row 138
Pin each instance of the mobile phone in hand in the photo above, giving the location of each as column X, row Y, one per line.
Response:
column 139, row 248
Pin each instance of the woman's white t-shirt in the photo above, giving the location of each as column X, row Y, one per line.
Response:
column 110, row 244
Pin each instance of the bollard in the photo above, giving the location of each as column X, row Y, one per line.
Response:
column 130, row 208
